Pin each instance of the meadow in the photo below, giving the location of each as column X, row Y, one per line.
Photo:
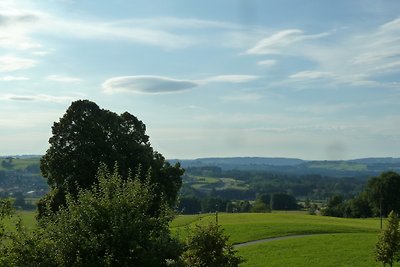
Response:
column 332, row 241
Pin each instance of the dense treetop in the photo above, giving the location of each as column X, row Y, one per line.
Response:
column 86, row 136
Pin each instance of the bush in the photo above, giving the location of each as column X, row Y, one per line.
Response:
column 207, row 246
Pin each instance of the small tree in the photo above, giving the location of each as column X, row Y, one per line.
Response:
column 387, row 248
column 207, row 246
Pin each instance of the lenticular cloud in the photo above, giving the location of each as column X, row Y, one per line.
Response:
column 146, row 84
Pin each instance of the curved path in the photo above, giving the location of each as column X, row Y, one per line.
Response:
column 271, row 239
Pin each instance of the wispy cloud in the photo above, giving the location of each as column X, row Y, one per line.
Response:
column 308, row 74
column 16, row 25
column 63, row 79
column 39, row 97
column 275, row 43
column 13, row 78
column 12, row 63
column 230, row 78
column 267, row 63
column 146, row 84
column 361, row 59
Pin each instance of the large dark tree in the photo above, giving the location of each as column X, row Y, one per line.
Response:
column 85, row 137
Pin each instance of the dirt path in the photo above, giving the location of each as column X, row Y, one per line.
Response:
column 271, row 239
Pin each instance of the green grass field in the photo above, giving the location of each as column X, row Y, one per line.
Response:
column 18, row 164
column 344, row 250
column 338, row 241
column 208, row 183
column 340, row 166
column 243, row 227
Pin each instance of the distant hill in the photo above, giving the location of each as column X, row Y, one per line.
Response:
column 240, row 161
column 365, row 167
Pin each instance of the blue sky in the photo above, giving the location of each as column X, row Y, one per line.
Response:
column 306, row 79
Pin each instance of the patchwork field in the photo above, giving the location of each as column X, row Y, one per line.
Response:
column 204, row 183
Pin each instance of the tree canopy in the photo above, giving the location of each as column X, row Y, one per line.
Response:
column 85, row 137
column 383, row 192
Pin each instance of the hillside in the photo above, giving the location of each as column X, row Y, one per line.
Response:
column 365, row 167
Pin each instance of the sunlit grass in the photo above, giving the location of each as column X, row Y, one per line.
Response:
column 351, row 250
column 243, row 227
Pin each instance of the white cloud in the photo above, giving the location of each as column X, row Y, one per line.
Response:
column 360, row 59
column 40, row 53
column 39, row 97
column 63, row 79
column 13, row 78
column 308, row 74
column 16, row 25
column 12, row 63
column 275, row 43
column 146, row 84
column 267, row 63
column 149, row 84
column 231, row 78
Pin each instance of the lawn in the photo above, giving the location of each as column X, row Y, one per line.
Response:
column 338, row 241
column 352, row 250
column 243, row 227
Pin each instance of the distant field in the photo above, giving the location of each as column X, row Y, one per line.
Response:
column 18, row 164
column 205, row 183
column 339, row 166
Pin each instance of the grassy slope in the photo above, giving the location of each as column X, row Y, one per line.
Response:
column 244, row 227
column 352, row 250
column 339, row 166
column 19, row 164
column 348, row 242
column 207, row 183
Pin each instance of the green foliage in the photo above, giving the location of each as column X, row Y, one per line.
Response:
column 387, row 249
column 335, row 207
column 260, row 206
column 282, row 201
column 5, row 208
column 207, row 246
column 189, row 205
column 87, row 136
column 113, row 224
column 384, row 190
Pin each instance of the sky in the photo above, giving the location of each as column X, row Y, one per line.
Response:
column 316, row 80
